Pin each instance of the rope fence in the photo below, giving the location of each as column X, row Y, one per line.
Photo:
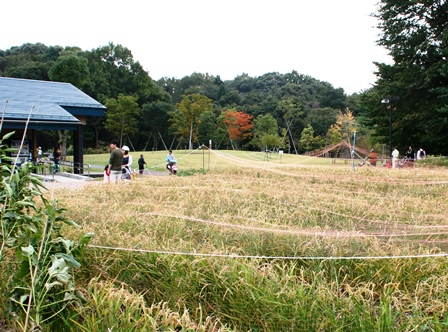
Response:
column 235, row 256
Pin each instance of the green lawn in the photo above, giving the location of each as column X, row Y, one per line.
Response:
column 204, row 159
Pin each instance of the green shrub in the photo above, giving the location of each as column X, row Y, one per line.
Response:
column 433, row 161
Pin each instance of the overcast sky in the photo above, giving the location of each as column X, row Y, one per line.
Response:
column 332, row 41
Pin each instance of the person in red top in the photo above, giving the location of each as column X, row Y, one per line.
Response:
column 372, row 157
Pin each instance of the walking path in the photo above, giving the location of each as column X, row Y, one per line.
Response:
column 75, row 181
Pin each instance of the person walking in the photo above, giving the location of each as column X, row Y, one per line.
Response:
column 126, row 163
column 141, row 164
column 115, row 161
column 395, row 155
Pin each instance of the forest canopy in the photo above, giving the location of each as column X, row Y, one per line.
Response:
column 186, row 112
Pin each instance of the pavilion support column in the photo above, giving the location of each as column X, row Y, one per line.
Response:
column 78, row 153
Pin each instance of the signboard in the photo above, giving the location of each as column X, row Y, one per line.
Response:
column 25, row 152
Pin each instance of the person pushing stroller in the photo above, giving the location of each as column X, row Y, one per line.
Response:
column 126, row 165
column 172, row 163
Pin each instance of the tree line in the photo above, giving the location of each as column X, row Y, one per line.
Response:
column 414, row 87
column 271, row 111
column 291, row 111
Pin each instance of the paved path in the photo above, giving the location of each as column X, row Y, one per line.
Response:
column 73, row 181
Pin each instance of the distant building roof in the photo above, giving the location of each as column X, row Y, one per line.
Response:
column 55, row 104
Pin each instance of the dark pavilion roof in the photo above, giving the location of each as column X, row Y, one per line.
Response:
column 55, row 104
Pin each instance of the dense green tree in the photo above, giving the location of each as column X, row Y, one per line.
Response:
column 267, row 106
column 415, row 34
column 113, row 71
column 53, row 52
column 352, row 102
column 30, row 61
column 266, row 132
column 271, row 141
column 122, row 116
column 321, row 119
column 307, row 139
column 230, row 99
column 243, row 83
column 204, row 84
column 293, row 114
column 329, row 96
column 186, row 118
column 71, row 69
column 31, row 70
column 221, row 87
column 208, row 130
column 155, row 122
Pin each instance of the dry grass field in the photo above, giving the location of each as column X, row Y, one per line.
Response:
column 361, row 247
column 341, row 210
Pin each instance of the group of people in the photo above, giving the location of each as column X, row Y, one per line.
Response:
column 120, row 164
column 411, row 155
column 56, row 157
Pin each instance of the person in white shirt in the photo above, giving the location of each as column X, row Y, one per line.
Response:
column 421, row 154
column 395, row 155
column 39, row 154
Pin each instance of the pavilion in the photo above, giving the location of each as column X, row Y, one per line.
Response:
column 43, row 105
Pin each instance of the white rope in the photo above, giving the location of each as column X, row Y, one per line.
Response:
column 304, row 232
column 192, row 151
column 179, row 253
column 236, row 256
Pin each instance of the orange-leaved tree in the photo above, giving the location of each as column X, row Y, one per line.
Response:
column 239, row 125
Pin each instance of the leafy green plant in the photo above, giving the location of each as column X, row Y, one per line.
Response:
column 33, row 247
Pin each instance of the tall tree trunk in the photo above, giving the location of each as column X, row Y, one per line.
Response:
column 97, row 134
column 190, row 143
column 63, row 142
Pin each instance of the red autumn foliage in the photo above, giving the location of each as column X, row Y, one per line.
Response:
column 239, row 124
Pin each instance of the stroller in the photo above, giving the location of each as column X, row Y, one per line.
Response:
column 401, row 163
column 126, row 173
column 172, row 168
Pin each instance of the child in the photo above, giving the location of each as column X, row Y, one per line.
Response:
column 106, row 174
column 174, row 169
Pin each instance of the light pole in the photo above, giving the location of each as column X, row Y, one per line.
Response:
column 389, row 101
